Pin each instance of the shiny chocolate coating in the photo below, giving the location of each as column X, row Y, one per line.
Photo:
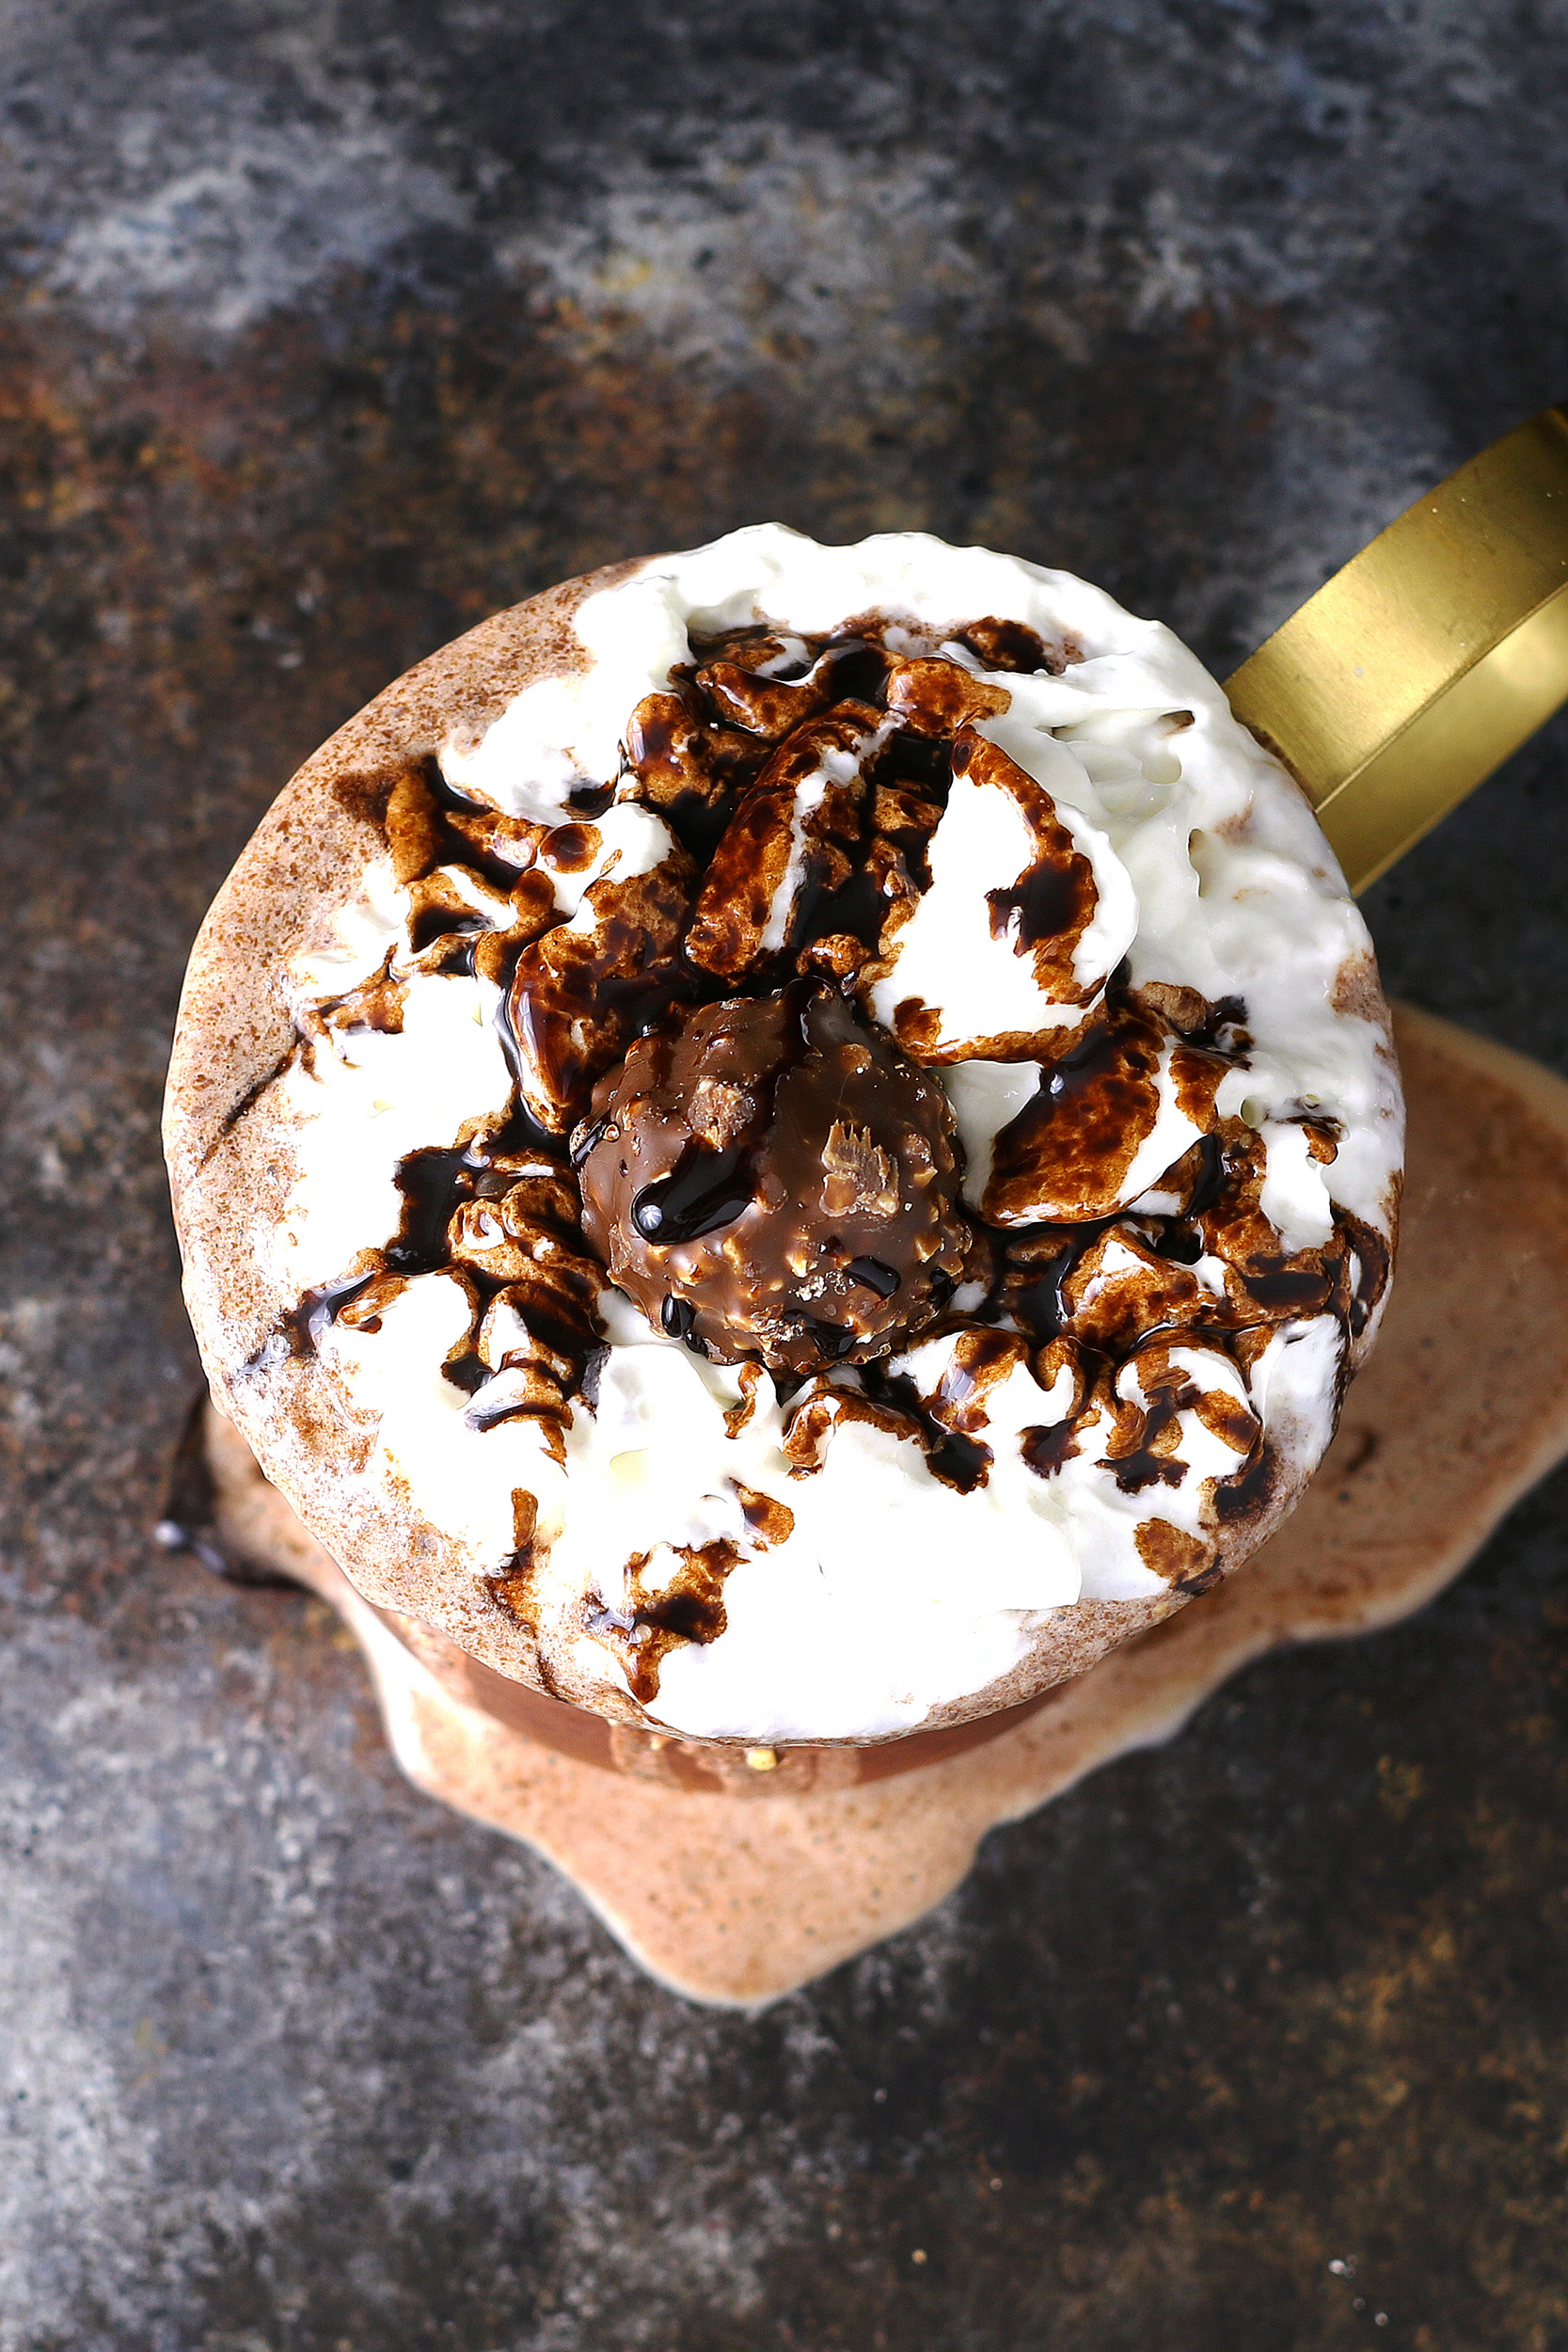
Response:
column 772, row 1180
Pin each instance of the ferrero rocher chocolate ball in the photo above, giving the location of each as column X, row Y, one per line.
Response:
column 771, row 1179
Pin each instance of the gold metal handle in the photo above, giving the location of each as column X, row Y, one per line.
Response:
column 1416, row 670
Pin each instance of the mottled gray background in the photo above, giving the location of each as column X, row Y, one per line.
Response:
column 327, row 328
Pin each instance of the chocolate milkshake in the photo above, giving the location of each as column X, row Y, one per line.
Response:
column 789, row 1143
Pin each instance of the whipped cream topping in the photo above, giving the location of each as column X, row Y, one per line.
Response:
column 975, row 973
column 838, row 1578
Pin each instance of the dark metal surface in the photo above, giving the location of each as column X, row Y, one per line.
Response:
column 328, row 330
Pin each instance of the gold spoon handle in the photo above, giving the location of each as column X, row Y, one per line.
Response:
column 1416, row 670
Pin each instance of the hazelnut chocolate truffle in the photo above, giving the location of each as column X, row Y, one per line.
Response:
column 789, row 1143
column 772, row 1181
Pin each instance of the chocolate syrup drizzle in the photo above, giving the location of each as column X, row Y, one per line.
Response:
column 707, row 1189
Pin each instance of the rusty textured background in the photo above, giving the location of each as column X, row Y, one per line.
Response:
column 329, row 328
